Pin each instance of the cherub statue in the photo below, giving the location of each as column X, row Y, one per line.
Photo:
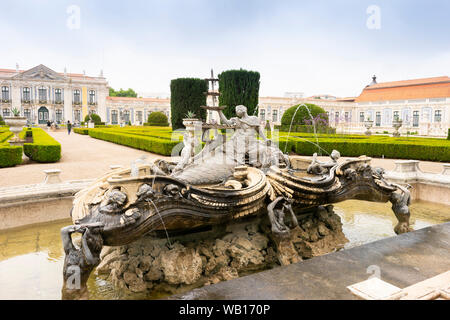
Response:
column 400, row 205
column 186, row 153
column 277, row 214
column 114, row 203
column 79, row 262
column 319, row 168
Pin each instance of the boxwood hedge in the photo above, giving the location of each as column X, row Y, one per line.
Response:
column 147, row 143
column 43, row 148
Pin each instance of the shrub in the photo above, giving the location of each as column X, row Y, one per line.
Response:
column 84, row 131
column 448, row 134
column 306, row 129
column 95, row 118
column 2, row 122
column 157, row 119
column 238, row 87
column 151, row 144
column 43, row 148
column 186, row 94
column 10, row 155
column 302, row 116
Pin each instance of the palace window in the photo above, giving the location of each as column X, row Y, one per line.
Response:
column 27, row 113
column 58, row 115
column 415, row 118
column 336, row 117
column 26, row 96
column 346, row 117
column 262, row 114
column 58, row 95
column 76, row 96
column 77, row 115
column 42, row 94
column 114, row 119
column 396, row 116
column 5, row 93
column 91, row 96
column 6, row 112
column 139, row 116
column 126, row 116
column 378, row 119
column 275, row 115
column 437, row 116
column 361, row 117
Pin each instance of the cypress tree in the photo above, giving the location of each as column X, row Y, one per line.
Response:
column 187, row 94
column 238, row 87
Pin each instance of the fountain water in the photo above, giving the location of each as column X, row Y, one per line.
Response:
column 313, row 123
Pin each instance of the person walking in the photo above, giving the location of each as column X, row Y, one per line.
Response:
column 69, row 126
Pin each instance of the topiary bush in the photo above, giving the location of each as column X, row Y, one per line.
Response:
column 2, row 122
column 94, row 117
column 238, row 87
column 10, row 155
column 303, row 117
column 448, row 134
column 147, row 143
column 157, row 119
column 43, row 148
column 187, row 94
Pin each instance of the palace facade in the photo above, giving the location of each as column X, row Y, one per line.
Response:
column 423, row 105
column 42, row 94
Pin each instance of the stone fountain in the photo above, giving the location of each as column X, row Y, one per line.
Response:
column 238, row 205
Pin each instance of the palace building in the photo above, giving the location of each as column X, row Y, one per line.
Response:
column 42, row 94
column 423, row 105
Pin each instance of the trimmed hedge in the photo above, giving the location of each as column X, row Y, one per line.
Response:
column 43, row 149
column 157, row 119
column 84, row 131
column 151, row 144
column 396, row 148
column 187, row 94
column 10, row 155
column 238, row 87
column 302, row 116
column 306, row 129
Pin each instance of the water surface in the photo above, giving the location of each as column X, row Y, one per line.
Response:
column 31, row 258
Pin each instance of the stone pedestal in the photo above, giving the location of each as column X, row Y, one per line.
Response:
column 52, row 176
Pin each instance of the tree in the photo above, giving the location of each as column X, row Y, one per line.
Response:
column 94, row 117
column 187, row 94
column 303, row 117
column 157, row 119
column 122, row 93
column 238, row 87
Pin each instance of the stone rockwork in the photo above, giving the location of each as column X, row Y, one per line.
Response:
column 152, row 265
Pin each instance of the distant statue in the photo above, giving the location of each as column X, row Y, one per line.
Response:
column 319, row 168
